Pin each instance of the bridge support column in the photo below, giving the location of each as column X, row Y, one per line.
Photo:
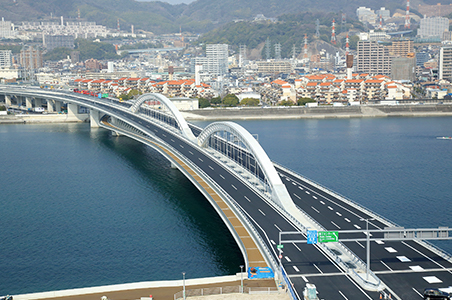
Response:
column 8, row 100
column 50, row 105
column 28, row 102
column 72, row 113
column 94, row 118
column 57, row 106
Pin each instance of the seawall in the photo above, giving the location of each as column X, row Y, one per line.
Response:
column 321, row 112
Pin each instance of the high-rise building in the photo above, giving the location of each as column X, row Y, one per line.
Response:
column 58, row 41
column 5, row 58
column 401, row 48
column 6, row 29
column 433, row 27
column 373, row 58
column 445, row 63
column 31, row 58
column 216, row 60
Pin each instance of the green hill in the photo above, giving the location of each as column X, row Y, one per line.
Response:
column 199, row 16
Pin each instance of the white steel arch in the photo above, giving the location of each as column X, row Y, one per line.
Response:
column 183, row 125
column 279, row 193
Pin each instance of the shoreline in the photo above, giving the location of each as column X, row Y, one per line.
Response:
column 272, row 113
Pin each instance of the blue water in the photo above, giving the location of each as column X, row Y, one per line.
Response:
column 81, row 208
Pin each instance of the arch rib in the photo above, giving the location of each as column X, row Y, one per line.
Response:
column 182, row 123
column 279, row 194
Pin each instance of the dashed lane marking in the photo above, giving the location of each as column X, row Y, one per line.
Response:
column 190, row 152
column 296, row 269
column 315, row 209
column 330, row 208
column 181, row 146
column 335, row 225
column 221, row 176
column 298, row 248
column 287, row 258
column 211, row 167
column 314, row 197
column 317, row 268
column 356, row 226
column 261, row 211
column 300, row 188
column 277, row 227
column 342, row 295
column 247, row 198
column 322, row 202
column 200, row 159
column 297, row 196
column 360, row 244
column 339, row 214
column 307, row 192
column 273, row 242
column 386, row 265
column 347, row 220
column 234, row 187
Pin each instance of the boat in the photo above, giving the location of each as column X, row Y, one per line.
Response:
column 444, row 138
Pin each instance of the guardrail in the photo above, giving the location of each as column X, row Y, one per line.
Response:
column 222, row 290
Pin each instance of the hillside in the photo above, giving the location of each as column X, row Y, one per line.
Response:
column 198, row 16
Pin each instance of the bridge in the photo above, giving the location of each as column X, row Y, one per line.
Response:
column 260, row 200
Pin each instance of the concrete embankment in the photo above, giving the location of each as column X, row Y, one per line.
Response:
column 320, row 112
column 160, row 290
column 38, row 118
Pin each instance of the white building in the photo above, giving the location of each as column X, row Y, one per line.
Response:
column 216, row 60
column 445, row 63
column 365, row 14
column 6, row 29
column 5, row 58
column 433, row 27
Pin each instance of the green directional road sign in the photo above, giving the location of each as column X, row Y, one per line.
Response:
column 328, row 236
column 279, row 246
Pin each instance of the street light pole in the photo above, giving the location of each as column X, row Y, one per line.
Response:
column 367, row 246
column 241, row 278
column 183, row 282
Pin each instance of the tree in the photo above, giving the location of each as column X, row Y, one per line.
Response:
column 203, row 102
column 303, row 101
column 2, row 108
column 230, row 100
column 215, row 100
column 286, row 103
column 130, row 95
column 249, row 102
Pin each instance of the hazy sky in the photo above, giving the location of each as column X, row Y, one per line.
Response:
column 170, row 1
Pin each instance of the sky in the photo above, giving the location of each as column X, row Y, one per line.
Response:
column 171, row 1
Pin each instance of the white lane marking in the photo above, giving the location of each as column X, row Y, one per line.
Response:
column 294, row 183
column 277, row 227
column 155, row 130
column 261, row 212
column 247, row 198
column 300, row 188
column 317, row 268
column 164, row 134
column 181, row 146
column 305, row 279
column 190, row 152
column 420, row 295
column 433, row 261
column 297, row 196
column 287, row 258
column 221, row 176
column 432, row 279
column 403, row 259
column 386, row 265
column 172, row 140
column 296, row 246
column 330, row 208
column 296, row 269
column 342, row 295
column 315, row 209
column 339, row 214
column 379, row 242
column 140, row 122
column 335, row 225
column 357, row 227
column 211, row 168
column 234, row 187
column 307, row 192
column 370, row 234
column 347, row 220
column 390, row 250
column 322, row 202
column 200, row 159
column 314, row 197
column 416, row 268
column 273, row 242
column 360, row 244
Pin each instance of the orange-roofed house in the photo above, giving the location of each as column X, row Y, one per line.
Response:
column 357, row 84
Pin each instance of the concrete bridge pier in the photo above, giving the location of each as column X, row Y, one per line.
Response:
column 38, row 102
column 50, row 105
column 57, row 106
column 28, row 102
column 8, row 100
column 94, row 118
column 114, row 122
column 72, row 113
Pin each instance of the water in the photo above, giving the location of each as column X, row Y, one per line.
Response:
column 81, row 208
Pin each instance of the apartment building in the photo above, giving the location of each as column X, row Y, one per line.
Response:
column 445, row 63
column 373, row 58
column 433, row 27
column 5, row 58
